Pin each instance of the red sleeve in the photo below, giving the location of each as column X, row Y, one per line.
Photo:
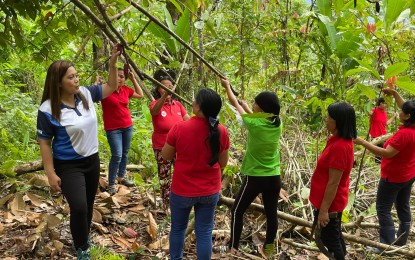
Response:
column 182, row 109
column 172, row 136
column 339, row 156
column 398, row 140
column 224, row 139
column 153, row 103
column 130, row 92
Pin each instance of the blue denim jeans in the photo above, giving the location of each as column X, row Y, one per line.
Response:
column 390, row 193
column 119, row 141
column 204, row 208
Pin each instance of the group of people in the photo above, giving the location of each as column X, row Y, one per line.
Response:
column 198, row 147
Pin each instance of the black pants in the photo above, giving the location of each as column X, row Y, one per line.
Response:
column 269, row 187
column 390, row 193
column 331, row 236
column 79, row 183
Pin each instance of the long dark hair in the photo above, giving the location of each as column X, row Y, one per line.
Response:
column 53, row 84
column 210, row 104
column 345, row 117
column 409, row 108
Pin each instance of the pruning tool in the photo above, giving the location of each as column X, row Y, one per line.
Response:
column 316, row 231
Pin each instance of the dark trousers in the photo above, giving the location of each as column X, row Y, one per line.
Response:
column 79, row 183
column 269, row 187
column 390, row 193
column 331, row 236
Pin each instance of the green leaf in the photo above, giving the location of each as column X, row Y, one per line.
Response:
column 395, row 69
column 257, row 115
column 393, row 8
column 177, row 5
column 163, row 35
column 168, row 19
column 355, row 71
column 366, row 90
column 211, row 28
column 331, row 30
column 369, row 68
column 406, row 85
column 183, row 26
column 324, row 7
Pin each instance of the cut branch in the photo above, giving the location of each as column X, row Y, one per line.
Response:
column 302, row 222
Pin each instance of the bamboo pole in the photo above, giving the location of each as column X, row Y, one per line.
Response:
column 175, row 36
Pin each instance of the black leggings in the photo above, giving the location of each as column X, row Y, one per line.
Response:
column 79, row 183
column 269, row 187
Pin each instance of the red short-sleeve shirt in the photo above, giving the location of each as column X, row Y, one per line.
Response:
column 169, row 115
column 378, row 122
column 192, row 175
column 115, row 109
column 338, row 154
column 401, row 167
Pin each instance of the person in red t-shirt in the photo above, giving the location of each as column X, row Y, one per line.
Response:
column 379, row 121
column 119, row 129
column 165, row 113
column 397, row 175
column 201, row 148
column 330, row 181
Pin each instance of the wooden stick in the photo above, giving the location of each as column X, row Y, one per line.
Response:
column 175, row 36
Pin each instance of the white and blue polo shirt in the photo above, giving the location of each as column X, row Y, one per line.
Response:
column 75, row 136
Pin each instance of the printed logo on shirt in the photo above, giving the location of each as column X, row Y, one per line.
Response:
column 163, row 113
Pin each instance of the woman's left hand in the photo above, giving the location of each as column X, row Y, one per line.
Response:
column 131, row 75
column 322, row 219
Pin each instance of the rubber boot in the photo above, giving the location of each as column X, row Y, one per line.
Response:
column 403, row 233
column 387, row 234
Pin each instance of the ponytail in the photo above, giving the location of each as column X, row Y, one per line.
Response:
column 214, row 140
column 276, row 120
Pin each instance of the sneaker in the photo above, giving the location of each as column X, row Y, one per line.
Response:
column 112, row 190
column 83, row 254
column 126, row 182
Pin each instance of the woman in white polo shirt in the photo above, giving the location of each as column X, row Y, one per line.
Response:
column 68, row 138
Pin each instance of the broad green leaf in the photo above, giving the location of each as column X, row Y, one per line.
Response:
column 355, row 71
column 324, row 7
column 393, row 8
column 177, row 5
column 406, row 85
column 331, row 30
column 370, row 68
column 192, row 5
column 366, row 90
column 347, row 45
column 211, row 28
column 168, row 19
column 183, row 26
column 395, row 69
column 257, row 115
column 163, row 35
column 338, row 6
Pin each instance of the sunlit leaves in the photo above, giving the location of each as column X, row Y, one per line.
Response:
column 395, row 69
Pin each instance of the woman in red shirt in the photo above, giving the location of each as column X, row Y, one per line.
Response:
column 118, row 127
column 330, row 181
column 397, row 175
column 165, row 113
column 201, row 148
column 379, row 121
